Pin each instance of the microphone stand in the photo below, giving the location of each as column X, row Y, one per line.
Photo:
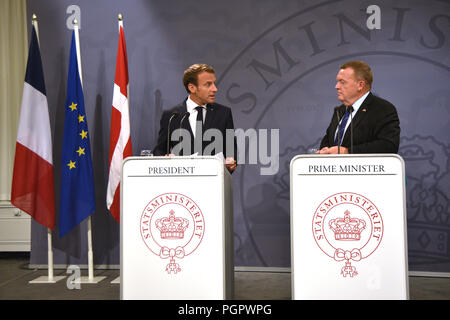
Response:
column 174, row 115
column 185, row 115
column 336, row 109
column 350, row 109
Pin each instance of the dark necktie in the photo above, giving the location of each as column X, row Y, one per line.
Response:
column 342, row 126
column 198, row 141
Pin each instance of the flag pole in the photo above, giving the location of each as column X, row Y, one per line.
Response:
column 50, row 278
column 120, row 19
column 34, row 22
column 120, row 24
column 90, row 278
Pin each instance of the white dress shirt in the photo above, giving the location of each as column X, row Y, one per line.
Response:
column 355, row 106
column 190, row 106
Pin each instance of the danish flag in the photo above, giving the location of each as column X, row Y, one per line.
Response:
column 120, row 139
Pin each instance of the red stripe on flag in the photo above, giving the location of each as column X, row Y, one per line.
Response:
column 33, row 186
column 127, row 152
column 121, row 77
column 115, row 205
column 116, row 120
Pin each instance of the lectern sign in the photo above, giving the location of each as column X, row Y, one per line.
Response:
column 172, row 227
column 347, row 227
column 176, row 229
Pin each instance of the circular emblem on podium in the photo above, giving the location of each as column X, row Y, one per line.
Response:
column 347, row 227
column 172, row 227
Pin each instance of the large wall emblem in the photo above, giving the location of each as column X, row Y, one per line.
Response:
column 284, row 78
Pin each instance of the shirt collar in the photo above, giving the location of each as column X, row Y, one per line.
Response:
column 359, row 102
column 191, row 105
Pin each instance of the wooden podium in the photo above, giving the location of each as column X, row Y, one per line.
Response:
column 348, row 227
column 176, row 229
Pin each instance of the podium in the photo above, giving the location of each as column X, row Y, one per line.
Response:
column 348, row 227
column 176, row 229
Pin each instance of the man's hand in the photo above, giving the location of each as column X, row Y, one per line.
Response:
column 332, row 150
column 230, row 163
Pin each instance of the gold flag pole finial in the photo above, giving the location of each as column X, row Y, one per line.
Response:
column 75, row 22
column 34, row 17
column 120, row 17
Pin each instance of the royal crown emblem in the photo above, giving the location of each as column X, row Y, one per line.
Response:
column 172, row 227
column 352, row 237
column 347, row 228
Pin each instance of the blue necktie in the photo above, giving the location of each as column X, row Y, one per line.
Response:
column 342, row 127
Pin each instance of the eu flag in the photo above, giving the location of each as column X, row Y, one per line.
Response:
column 77, row 179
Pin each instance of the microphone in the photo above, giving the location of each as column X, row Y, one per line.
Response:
column 174, row 115
column 185, row 115
column 336, row 110
column 350, row 109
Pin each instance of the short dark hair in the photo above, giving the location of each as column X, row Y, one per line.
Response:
column 190, row 75
column 362, row 71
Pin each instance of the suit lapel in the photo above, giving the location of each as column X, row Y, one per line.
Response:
column 186, row 124
column 360, row 115
column 210, row 115
column 335, row 123
column 362, row 111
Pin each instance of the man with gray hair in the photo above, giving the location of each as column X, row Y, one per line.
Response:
column 374, row 121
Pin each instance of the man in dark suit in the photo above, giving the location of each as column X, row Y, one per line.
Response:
column 376, row 126
column 201, row 117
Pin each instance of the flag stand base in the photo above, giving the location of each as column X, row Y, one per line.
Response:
column 86, row 279
column 46, row 279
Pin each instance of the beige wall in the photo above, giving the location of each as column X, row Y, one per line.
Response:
column 13, row 56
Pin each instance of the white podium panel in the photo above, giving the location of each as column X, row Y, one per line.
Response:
column 348, row 227
column 176, row 229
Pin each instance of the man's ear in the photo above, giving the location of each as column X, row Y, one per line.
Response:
column 191, row 87
column 361, row 85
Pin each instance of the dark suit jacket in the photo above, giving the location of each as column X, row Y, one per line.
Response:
column 217, row 117
column 376, row 128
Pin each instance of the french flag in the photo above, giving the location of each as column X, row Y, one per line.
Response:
column 33, row 184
